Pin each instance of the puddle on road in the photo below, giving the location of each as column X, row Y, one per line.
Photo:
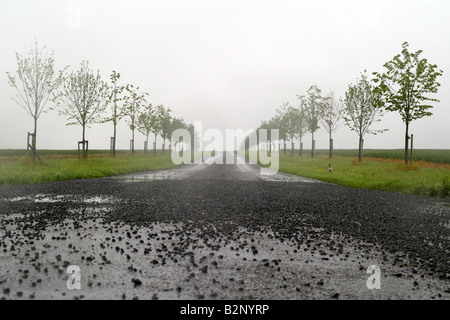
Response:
column 237, row 171
column 90, row 210
column 87, row 211
column 50, row 198
column 11, row 216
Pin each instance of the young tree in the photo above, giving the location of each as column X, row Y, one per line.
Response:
column 405, row 86
column 131, row 108
column 35, row 82
column 194, row 137
column 82, row 98
column 293, row 123
column 248, row 143
column 144, row 122
column 313, row 106
column 281, row 121
column 302, row 126
column 115, row 96
column 175, row 123
column 166, row 125
column 268, row 125
column 157, row 117
column 362, row 107
column 331, row 116
column 289, row 118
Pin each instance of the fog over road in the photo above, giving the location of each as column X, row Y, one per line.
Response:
column 220, row 231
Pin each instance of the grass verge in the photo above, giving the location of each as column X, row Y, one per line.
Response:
column 426, row 155
column 22, row 171
column 371, row 174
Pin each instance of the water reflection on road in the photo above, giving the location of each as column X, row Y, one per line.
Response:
column 240, row 169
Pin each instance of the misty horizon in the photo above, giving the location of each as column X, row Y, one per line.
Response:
column 228, row 64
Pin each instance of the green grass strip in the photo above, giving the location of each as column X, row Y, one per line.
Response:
column 24, row 171
column 370, row 174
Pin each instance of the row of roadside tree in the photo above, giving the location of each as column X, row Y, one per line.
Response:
column 83, row 97
column 403, row 87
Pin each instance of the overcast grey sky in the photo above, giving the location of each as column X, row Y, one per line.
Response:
column 227, row 63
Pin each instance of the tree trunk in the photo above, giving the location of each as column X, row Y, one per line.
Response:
column 411, row 154
column 154, row 144
column 406, row 143
column 292, row 148
column 146, row 143
column 312, row 145
column 35, row 100
column 83, row 141
column 33, row 140
column 331, row 149
column 114, row 141
column 300, row 150
column 361, row 144
column 164, row 145
column 132, row 141
column 114, row 122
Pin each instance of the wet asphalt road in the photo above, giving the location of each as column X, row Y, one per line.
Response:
column 220, row 231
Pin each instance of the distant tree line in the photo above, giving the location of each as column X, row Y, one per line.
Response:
column 404, row 87
column 83, row 97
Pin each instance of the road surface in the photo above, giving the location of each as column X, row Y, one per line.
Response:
column 220, row 231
